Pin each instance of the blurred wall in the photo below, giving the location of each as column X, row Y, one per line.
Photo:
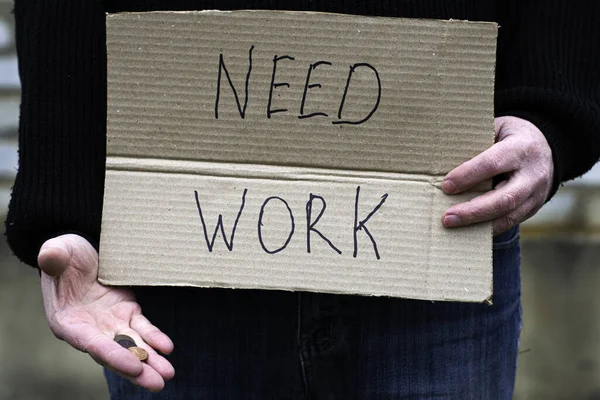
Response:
column 9, row 103
column 560, row 343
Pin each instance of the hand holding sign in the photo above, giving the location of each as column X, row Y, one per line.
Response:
column 522, row 154
column 88, row 315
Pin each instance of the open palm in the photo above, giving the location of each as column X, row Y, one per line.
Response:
column 88, row 315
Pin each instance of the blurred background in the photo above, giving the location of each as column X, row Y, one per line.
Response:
column 560, row 342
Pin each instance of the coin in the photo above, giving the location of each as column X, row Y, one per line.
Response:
column 140, row 353
column 125, row 341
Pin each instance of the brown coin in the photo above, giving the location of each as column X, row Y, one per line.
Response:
column 140, row 353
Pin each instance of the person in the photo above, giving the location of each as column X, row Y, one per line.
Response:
column 267, row 344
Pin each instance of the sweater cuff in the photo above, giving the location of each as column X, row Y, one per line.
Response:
column 26, row 244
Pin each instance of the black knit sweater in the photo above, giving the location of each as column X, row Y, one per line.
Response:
column 548, row 71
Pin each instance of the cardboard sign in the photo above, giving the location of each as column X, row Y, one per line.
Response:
column 295, row 151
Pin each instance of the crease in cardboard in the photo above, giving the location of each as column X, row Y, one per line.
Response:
column 245, row 191
column 279, row 172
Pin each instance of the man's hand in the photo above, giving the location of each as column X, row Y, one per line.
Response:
column 523, row 155
column 88, row 315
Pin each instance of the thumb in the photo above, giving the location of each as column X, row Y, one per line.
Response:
column 63, row 251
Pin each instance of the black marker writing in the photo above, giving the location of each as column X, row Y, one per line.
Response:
column 310, row 225
column 222, row 67
column 352, row 69
column 228, row 243
column 260, row 224
column 276, row 59
column 309, row 85
column 361, row 225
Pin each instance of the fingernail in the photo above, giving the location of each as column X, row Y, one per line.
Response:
column 451, row 221
column 448, row 186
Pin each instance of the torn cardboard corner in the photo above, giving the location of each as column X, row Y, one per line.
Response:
column 294, row 151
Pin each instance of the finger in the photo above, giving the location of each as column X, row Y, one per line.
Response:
column 155, row 360
column 54, row 257
column 102, row 349
column 67, row 250
column 149, row 378
column 151, row 334
column 494, row 204
column 501, row 184
column 498, row 159
column 506, row 222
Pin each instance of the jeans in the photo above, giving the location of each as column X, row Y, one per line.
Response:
column 251, row 344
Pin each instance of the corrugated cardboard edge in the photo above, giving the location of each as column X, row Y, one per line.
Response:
column 488, row 300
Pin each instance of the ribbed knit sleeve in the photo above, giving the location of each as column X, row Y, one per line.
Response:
column 59, row 184
column 548, row 72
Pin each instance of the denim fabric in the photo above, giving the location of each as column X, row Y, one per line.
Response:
column 248, row 344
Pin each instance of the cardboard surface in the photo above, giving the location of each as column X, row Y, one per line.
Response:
column 230, row 132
